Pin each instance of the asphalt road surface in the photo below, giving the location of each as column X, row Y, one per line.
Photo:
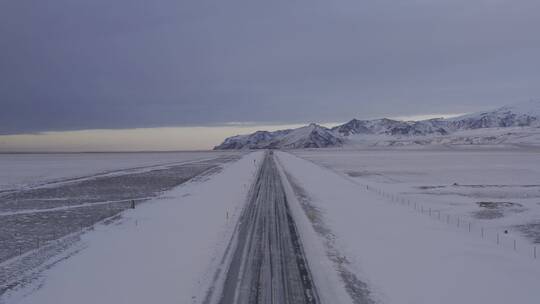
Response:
column 268, row 264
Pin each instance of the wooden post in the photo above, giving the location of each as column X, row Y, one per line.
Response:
column 535, row 252
column 514, row 245
column 497, row 238
column 469, row 226
column 132, row 204
column 482, row 232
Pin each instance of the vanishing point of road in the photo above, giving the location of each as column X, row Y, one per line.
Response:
column 268, row 265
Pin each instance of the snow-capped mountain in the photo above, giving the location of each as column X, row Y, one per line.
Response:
column 517, row 115
column 257, row 140
column 311, row 136
column 392, row 127
column 315, row 136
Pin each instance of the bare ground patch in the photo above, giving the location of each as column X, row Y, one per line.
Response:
column 493, row 210
column 362, row 173
column 531, row 231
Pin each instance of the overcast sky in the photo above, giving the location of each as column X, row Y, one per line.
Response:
column 93, row 64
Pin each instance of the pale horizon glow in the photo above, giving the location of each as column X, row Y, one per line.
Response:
column 426, row 116
column 138, row 139
column 146, row 139
column 89, row 65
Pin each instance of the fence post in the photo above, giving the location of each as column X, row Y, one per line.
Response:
column 535, row 252
column 482, row 229
column 458, row 221
column 497, row 238
column 515, row 245
column 469, row 226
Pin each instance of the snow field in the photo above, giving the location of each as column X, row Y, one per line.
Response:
column 454, row 182
column 165, row 251
column 23, row 170
column 328, row 283
column 406, row 257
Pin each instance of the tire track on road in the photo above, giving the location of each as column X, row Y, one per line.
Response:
column 268, row 265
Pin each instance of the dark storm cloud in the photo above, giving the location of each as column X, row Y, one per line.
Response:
column 74, row 64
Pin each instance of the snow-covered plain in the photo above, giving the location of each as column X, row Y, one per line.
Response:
column 165, row 251
column 496, row 188
column 22, row 170
column 362, row 246
column 401, row 254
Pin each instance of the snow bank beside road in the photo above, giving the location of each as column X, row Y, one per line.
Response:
column 409, row 258
column 162, row 252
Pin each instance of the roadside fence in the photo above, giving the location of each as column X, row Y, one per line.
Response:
column 500, row 237
column 21, row 243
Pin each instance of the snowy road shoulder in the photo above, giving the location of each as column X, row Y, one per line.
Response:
column 327, row 281
column 405, row 257
column 165, row 251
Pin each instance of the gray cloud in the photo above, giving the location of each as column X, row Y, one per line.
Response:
column 75, row 64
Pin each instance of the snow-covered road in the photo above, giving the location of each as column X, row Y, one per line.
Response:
column 268, row 265
column 275, row 228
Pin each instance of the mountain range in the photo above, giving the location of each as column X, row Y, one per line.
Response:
column 316, row 136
